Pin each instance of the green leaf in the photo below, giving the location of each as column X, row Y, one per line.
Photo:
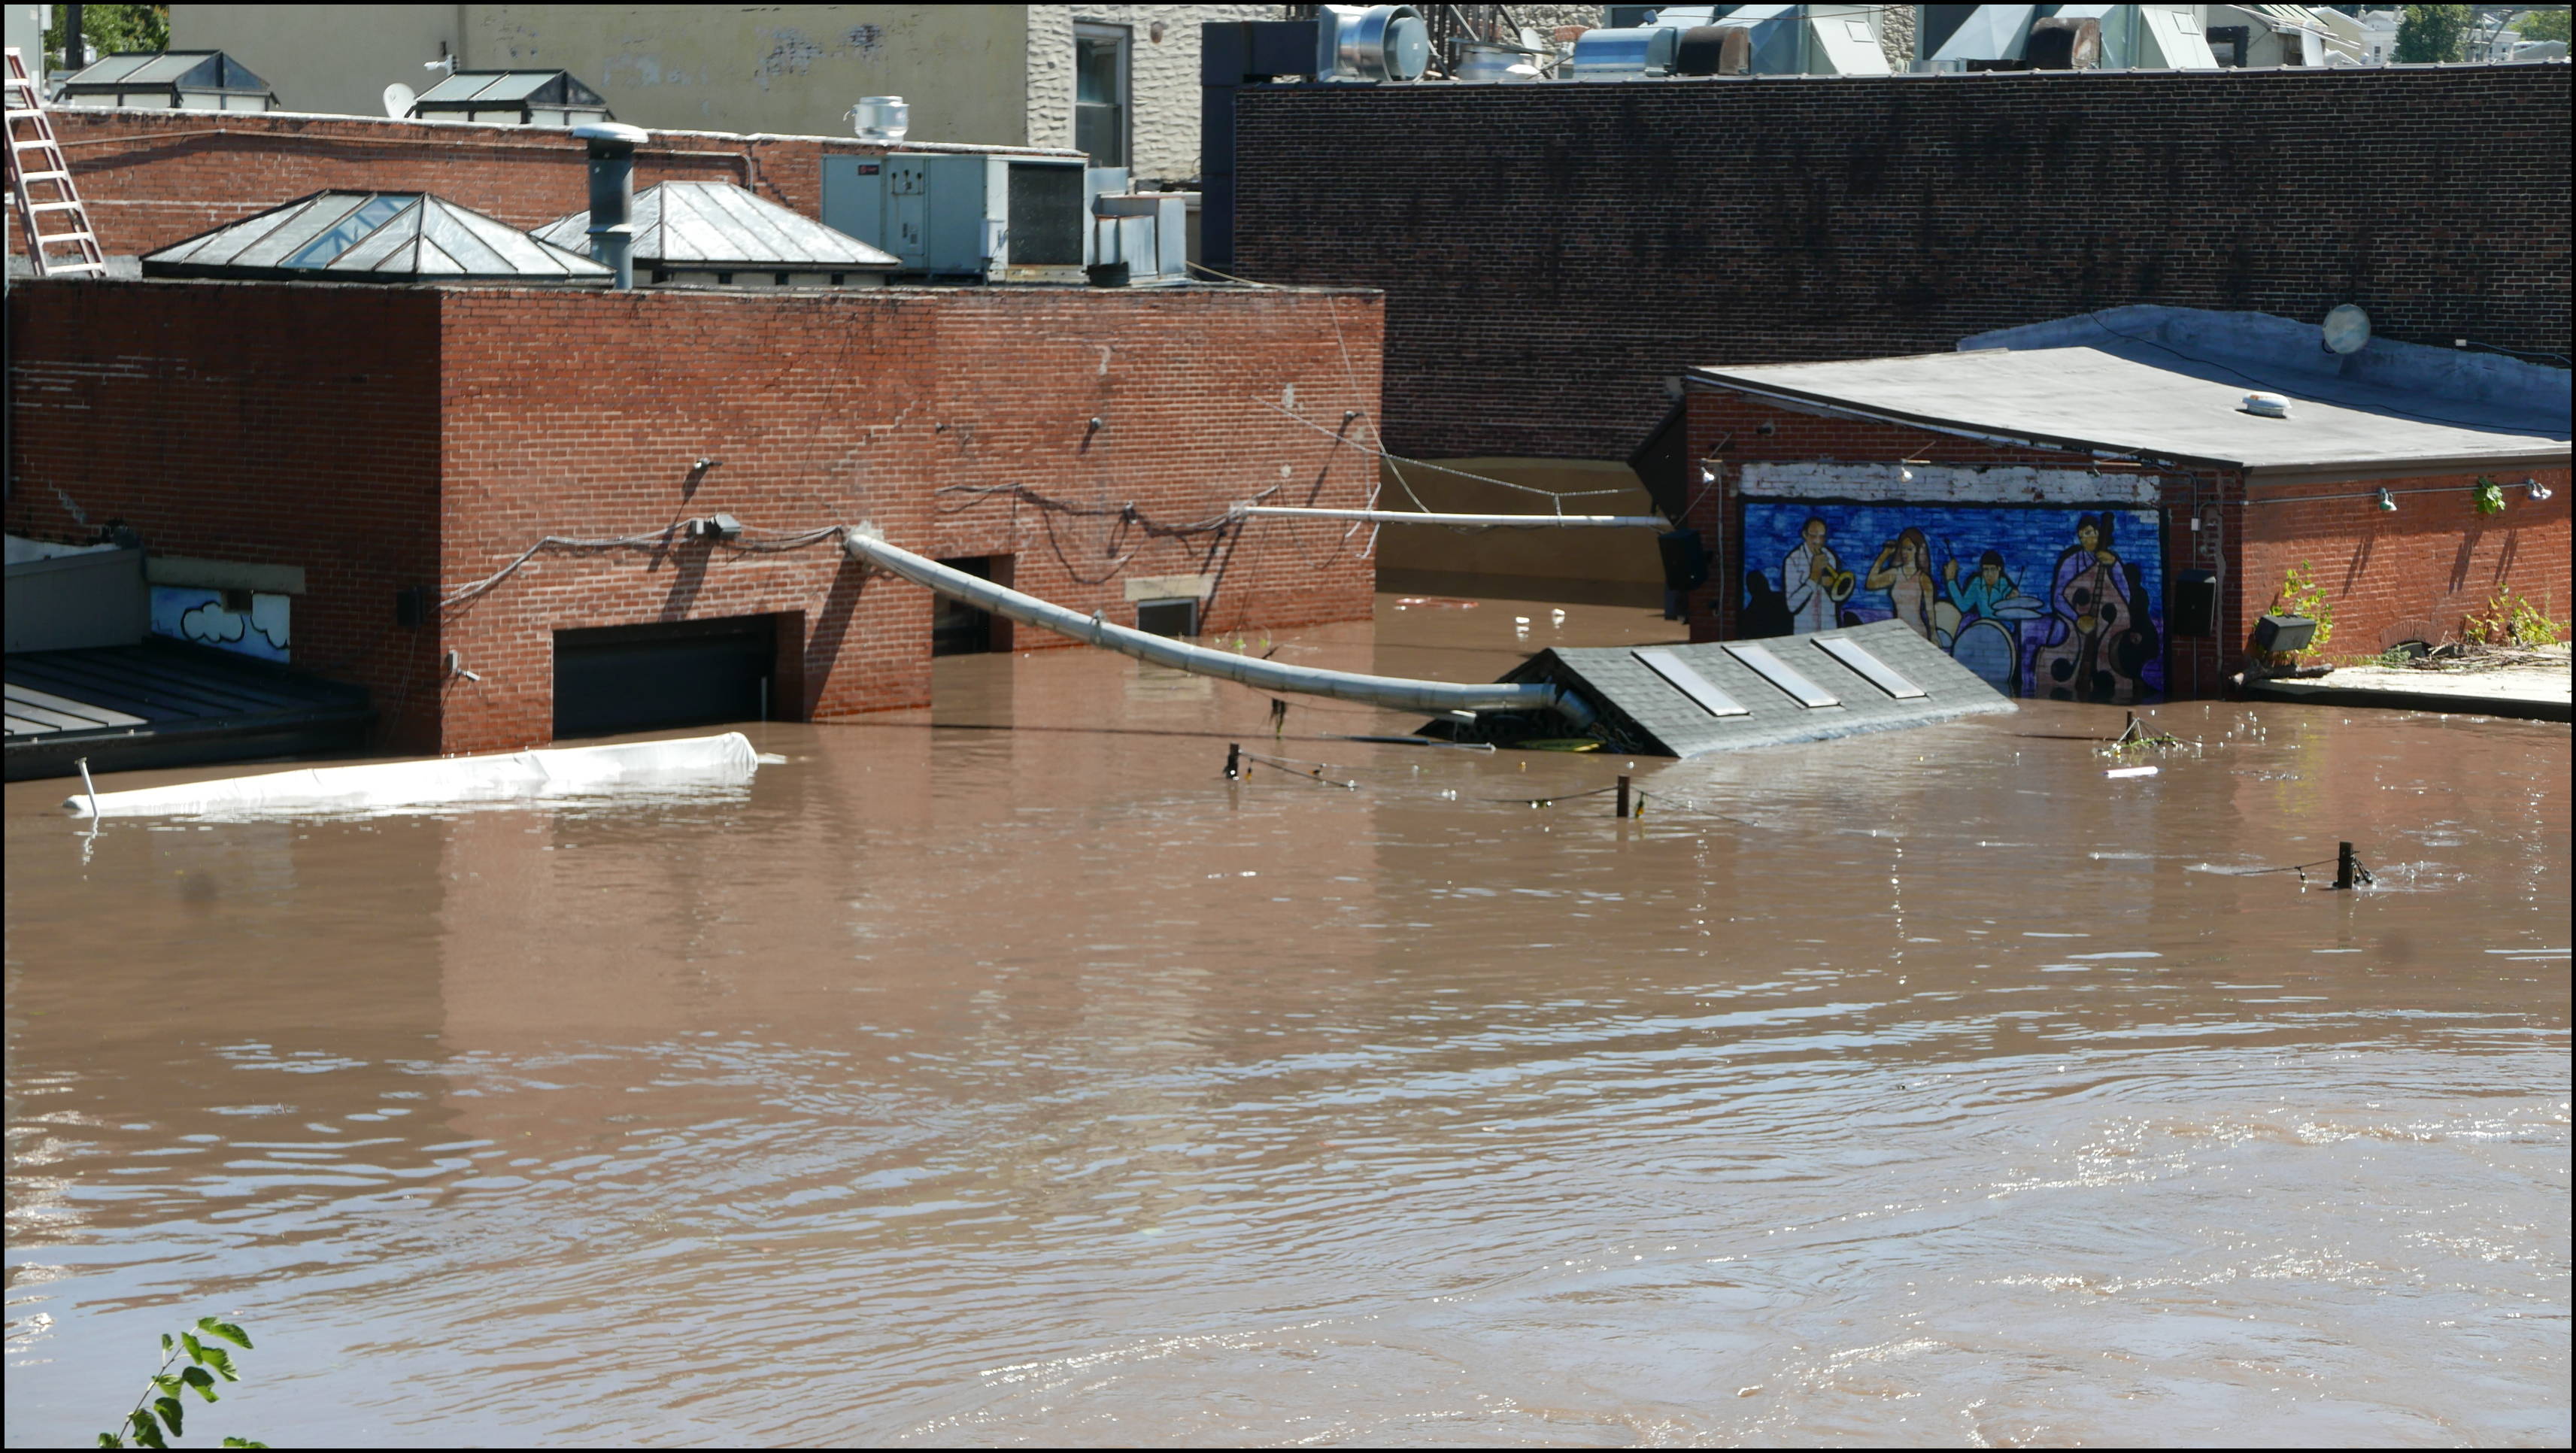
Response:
column 200, row 1379
column 222, row 1362
column 244, row 1443
column 165, row 1341
column 146, row 1431
column 171, row 1413
column 110, row 1440
column 166, row 1383
column 229, row 1331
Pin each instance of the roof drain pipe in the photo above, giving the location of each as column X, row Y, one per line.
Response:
column 864, row 544
column 612, row 194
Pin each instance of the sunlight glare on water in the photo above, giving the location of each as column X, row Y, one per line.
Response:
column 1002, row 1073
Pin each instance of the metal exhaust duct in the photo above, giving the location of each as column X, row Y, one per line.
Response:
column 612, row 194
column 863, row 544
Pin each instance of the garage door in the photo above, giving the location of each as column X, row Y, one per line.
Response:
column 669, row 674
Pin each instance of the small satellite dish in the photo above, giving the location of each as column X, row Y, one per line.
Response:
column 2346, row 329
column 399, row 99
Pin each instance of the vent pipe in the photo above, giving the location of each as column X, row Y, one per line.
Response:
column 612, row 194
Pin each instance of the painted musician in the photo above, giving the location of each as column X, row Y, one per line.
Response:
column 1807, row 580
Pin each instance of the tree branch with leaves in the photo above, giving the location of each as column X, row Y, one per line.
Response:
column 160, row 1407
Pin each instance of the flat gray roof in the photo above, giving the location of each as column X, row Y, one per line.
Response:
column 2127, row 397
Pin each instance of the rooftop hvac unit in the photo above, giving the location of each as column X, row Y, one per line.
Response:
column 984, row 218
column 1370, row 43
column 1624, row 55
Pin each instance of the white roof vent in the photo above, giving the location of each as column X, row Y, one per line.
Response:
column 2267, row 406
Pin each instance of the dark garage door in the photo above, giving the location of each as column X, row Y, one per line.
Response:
column 675, row 673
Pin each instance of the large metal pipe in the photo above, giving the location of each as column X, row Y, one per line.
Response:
column 1418, row 517
column 863, row 544
column 612, row 194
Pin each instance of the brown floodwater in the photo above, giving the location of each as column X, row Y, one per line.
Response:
column 1002, row 1073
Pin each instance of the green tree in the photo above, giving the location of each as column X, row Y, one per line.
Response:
column 106, row 29
column 2428, row 33
column 2549, row 24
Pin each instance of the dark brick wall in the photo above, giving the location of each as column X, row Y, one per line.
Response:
column 389, row 437
column 1551, row 252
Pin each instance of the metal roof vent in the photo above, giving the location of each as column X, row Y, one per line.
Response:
column 1624, row 55
column 1371, row 43
column 2267, row 406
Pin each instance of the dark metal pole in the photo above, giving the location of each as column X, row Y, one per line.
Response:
column 1233, row 760
column 75, row 44
column 1623, row 797
column 2343, row 865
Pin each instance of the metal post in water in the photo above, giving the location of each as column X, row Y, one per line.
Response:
column 1233, row 760
column 1623, row 796
column 91, row 788
column 2343, row 865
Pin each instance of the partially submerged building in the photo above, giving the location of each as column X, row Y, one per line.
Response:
column 2100, row 508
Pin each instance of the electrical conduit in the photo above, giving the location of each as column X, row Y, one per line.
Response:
column 863, row 544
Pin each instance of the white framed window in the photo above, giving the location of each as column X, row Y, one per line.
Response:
column 1101, row 108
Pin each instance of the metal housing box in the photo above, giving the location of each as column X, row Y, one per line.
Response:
column 981, row 216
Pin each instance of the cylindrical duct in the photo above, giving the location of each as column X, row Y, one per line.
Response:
column 881, row 118
column 1388, row 691
column 612, row 194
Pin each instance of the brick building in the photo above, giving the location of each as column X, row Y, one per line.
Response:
column 400, row 444
column 1550, row 253
column 2098, row 515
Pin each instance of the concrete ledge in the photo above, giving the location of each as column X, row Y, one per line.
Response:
column 2524, row 693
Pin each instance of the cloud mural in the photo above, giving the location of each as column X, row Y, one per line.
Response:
column 195, row 613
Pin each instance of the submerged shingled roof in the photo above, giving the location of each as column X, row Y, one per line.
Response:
column 373, row 237
column 717, row 225
column 1687, row 700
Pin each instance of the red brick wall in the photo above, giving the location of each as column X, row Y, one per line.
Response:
column 153, row 178
column 2414, row 573
column 527, row 413
column 287, row 426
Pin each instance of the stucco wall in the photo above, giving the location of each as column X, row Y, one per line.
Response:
column 1163, row 71
column 776, row 68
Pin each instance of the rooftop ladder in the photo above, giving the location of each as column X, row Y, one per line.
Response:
column 36, row 163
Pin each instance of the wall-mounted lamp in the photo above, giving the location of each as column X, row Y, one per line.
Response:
column 456, row 666
column 2388, row 501
column 704, row 464
column 715, row 527
column 2536, row 490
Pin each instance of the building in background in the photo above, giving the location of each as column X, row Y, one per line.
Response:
column 1119, row 81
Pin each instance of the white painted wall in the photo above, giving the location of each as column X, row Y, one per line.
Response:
column 1163, row 136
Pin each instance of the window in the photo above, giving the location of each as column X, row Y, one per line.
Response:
column 1100, row 93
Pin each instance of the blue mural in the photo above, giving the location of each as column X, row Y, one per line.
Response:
column 2046, row 601
column 195, row 613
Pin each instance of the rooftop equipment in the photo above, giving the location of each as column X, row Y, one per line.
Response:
column 980, row 217
column 1370, row 43
column 610, row 228
column 512, row 98
column 881, row 118
column 380, row 237
column 168, row 80
column 714, row 234
column 1733, row 40
column 1999, row 37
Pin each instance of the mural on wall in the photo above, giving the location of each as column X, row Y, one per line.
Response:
column 2047, row 601
column 197, row 613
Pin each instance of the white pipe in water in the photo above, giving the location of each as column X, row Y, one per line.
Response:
column 863, row 544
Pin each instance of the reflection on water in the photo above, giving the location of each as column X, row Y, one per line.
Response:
column 1003, row 1073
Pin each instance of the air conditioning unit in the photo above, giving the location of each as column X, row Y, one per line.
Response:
column 1370, row 43
column 1140, row 237
column 973, row 217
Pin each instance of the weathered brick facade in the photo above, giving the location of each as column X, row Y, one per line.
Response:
column 2409, row 574
column 387, row 438
column 1551, row 252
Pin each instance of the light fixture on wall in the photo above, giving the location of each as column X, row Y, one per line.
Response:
column 2536, row 490
column 2387, row 501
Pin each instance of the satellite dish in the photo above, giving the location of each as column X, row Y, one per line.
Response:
column 2346, row 329
column 398, row 100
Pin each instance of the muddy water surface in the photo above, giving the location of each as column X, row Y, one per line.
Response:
column 1003, row 1074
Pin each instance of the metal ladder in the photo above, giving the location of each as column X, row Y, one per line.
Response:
column 31, row 136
